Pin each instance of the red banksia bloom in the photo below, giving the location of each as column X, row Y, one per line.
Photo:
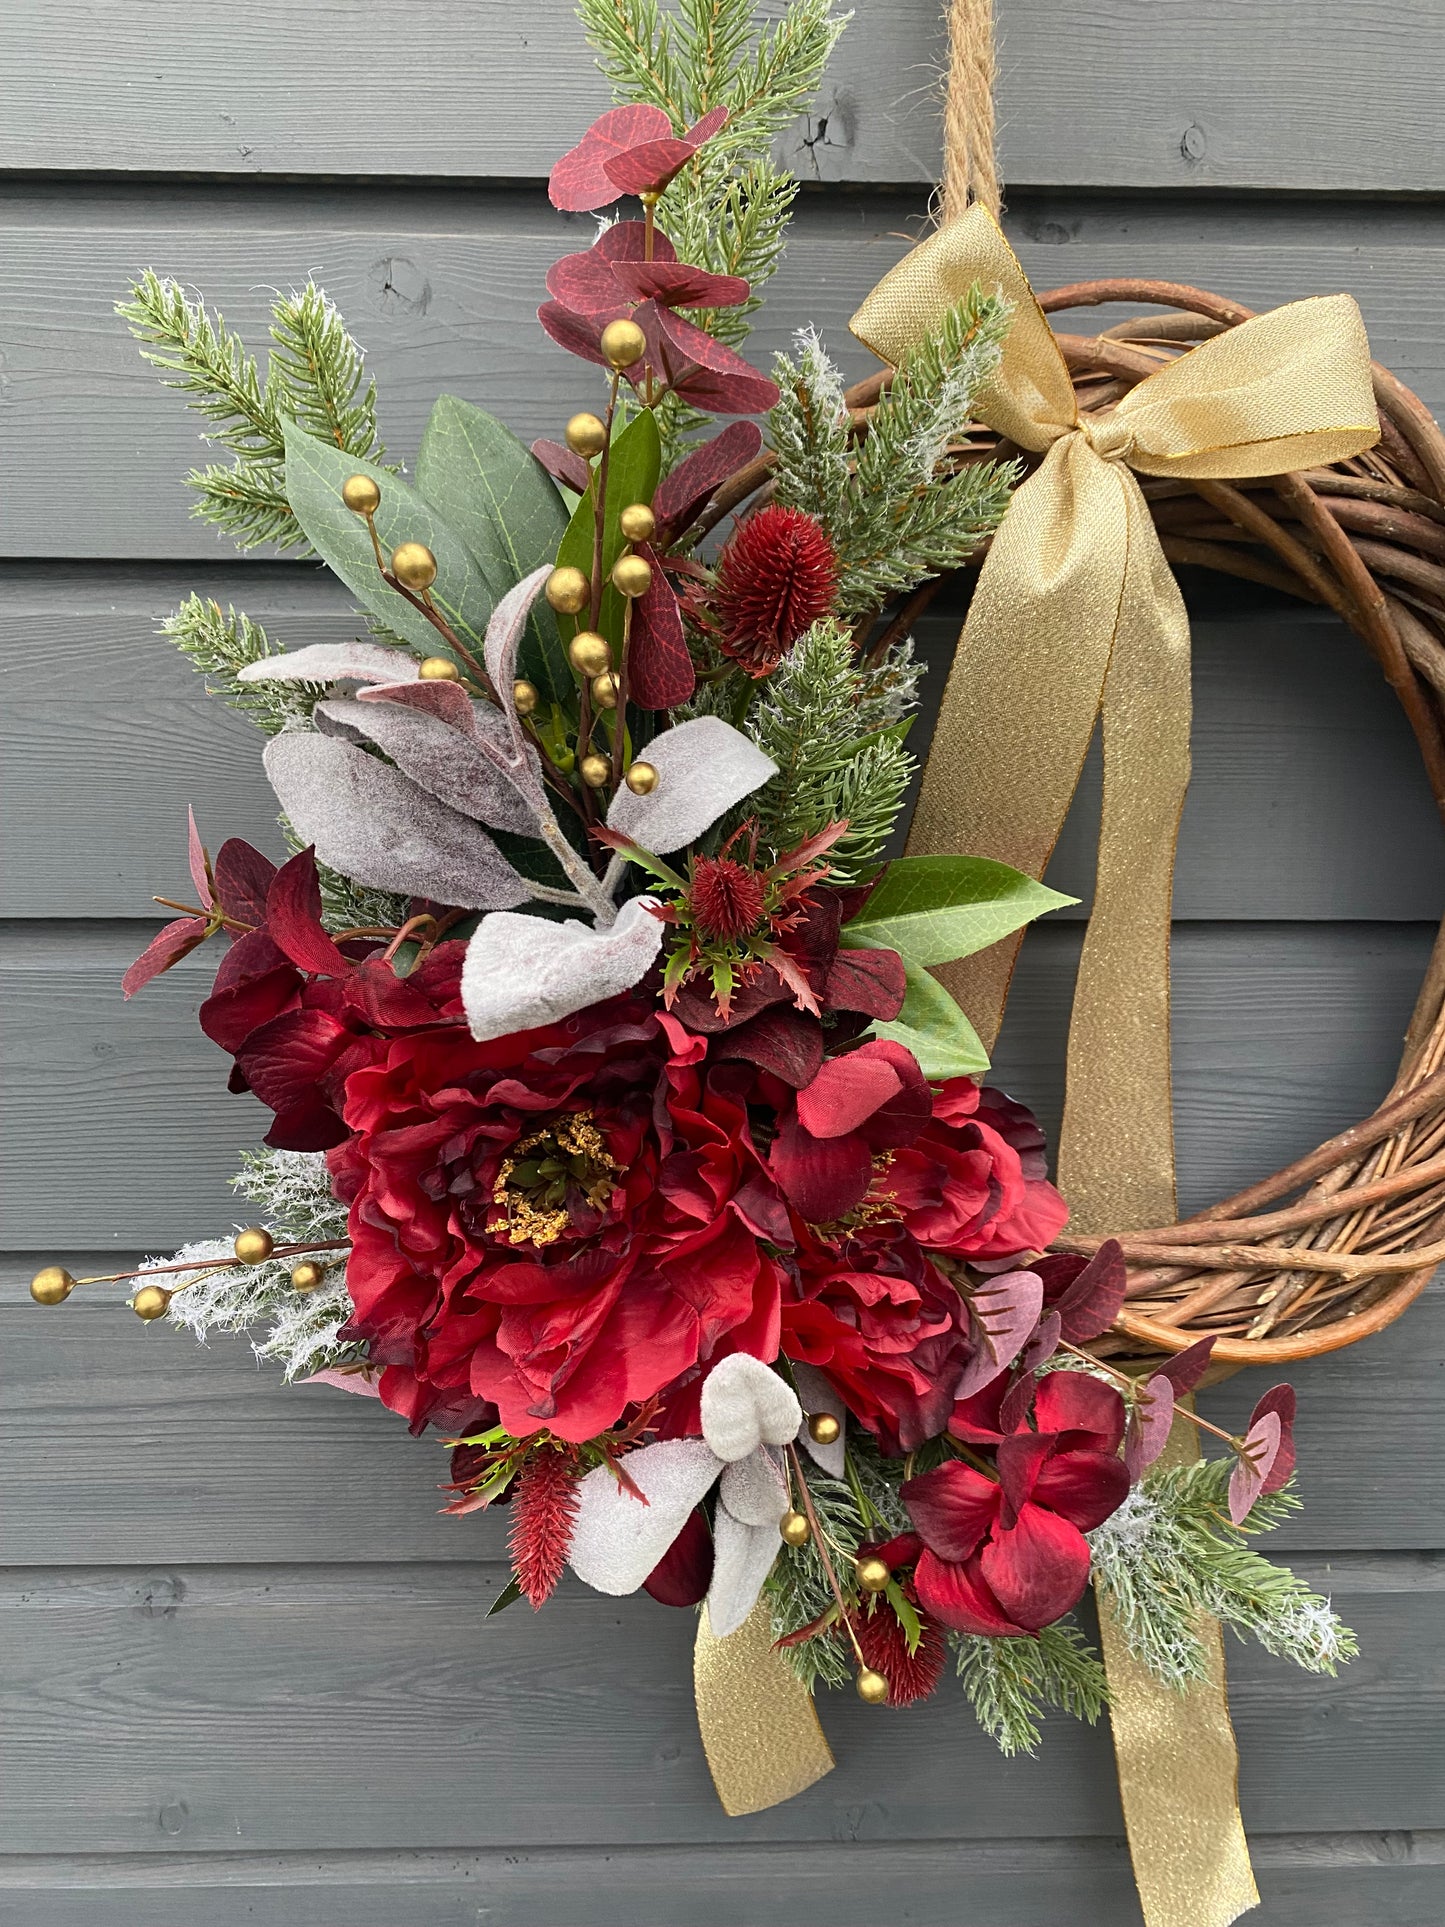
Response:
column 775, row 578
column 544, row 1507
column 727, row 897
column 911, row 1676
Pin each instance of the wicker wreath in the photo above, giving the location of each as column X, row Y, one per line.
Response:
column 1353, row 1231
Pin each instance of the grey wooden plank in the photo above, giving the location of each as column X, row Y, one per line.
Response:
column 284, row 1707
column 1357, row 1880
column 119, row 1130
column 1116, row 92
column 175, row 1452
column 1308, row 798
column 442, row 290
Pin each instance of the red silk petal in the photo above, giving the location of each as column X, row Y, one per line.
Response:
column 953, row 1508
column 196, row 856
column 1038, row 1568
column 872, row 982
column 823, row 1178
column 293, row 918
column 283, row 1059
column 177, row 940
column 958, row 1597
column 1082, row 1487
column 846, row 1092
column 1077, row 1403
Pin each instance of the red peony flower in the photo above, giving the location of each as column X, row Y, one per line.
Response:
column 629, row 150
column 775, row 578
column 1009, row 1555
column 561, row 1223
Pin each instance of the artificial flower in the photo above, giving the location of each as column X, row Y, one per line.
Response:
column 776, row 577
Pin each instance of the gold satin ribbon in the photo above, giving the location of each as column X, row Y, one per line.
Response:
column 759, row 1727
column 1178, row 1773
column 1077, row 614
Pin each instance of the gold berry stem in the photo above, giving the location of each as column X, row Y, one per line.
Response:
column 424, row 606
column 619, row 713
column 599, row 506
column 822, row 1545
column 215, row 1265
column 1123, row 1378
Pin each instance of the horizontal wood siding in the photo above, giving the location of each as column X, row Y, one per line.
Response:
column 248, row 1677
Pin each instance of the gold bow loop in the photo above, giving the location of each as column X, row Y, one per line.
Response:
column 1077, row 615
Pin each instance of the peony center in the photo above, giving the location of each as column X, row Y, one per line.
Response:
column 549, row 1175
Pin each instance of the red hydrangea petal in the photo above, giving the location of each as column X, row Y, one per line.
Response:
column 785, row 1041
column 1037, row 1569
column 243, row 877
column 958, row 1597
column 283, row 1059
column 1078, row 1403
column 872, row 982
column 229, row 1016
column 953, row 1508
column 1083, row 1487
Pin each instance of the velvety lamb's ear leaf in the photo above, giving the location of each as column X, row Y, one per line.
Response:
column 936, row 909
column 703, row 768
column 1251, row 1472
column 315, row 471
column 500, row 500
column 618, row 1538
column 450, row 765
column 521, row 973
column 379, row 828
column 933, row 1027
column 328, row 662
column 1092, row 1301
column 634, row 462
column 743, row 1556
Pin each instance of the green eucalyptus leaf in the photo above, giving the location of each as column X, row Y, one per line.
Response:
column 933, row 1027
column 494, row 492
column 634, row 462
column 315, row 471
column 935, row 909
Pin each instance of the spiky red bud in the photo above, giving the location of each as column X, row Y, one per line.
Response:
column 910, row 1676
column 544, row 1510
column 775, row 578
column 727, row 897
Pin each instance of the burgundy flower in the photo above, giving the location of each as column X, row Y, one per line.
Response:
column 1008, row 1555
column 563, row 1222
column 775, row 578
column 727, row 896
column 867, row 1104
column 630, row 150
column 911, row 1676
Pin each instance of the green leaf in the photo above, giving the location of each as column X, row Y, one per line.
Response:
column 315, row 472
column 935, row 909
column 494, row 492
column 933, row 1027
column 907, row 1617
column 634, row 462
column 508, row 1596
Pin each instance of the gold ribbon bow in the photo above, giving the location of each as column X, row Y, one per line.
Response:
column 1076, row 613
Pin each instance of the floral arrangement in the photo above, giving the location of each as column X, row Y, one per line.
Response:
column 621, row 1138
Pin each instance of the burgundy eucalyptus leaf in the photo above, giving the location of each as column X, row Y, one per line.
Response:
column 701, row 474
column 196, row 856
column 1252, row 1471
column 177, row 940
column 1185, row 1369
column 1092, row 1302
column 1149, row 1424
column 580, row 335
column 1280, row 1400
column 563, row 466
column 1013, row 1411
column 1044, row 1343
column 243, row 877
column 676, row 285
column 660, row 671
column 1005, row 1313
column 871, row 982
column 293, row 918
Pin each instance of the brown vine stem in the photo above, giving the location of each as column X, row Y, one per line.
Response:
column 822, row 1546
column 1123, row 1378
column 212, row 1264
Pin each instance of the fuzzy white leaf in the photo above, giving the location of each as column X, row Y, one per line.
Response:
column 743, row 1556
column 450, row 765
column 329, row 662
column 744, row 1405
column 703, row 768
column 379, row 828
column 616, row 1539
column 505, row 630
column 753, row 1490
column 522, row 972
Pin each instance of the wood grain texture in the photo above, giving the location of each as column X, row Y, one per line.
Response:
column 1114, row 91
column 441, row 289
column 1284, row 1033
column 126, row 1443
column 107, row 734
column 334, row 1689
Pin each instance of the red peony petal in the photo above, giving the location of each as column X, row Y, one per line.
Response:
column 579, row 181
column 177, row 940
column 1083, row 1487
column 293, row 918
column 1038, row 1568
column 958, row 1597
column 823, row 1178
column 243, row 877
column 683, row 1574
column 846, row 1092
column 660, row 671
column 953, row 1508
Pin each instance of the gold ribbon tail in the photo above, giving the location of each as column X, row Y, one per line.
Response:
column 759, row 1728
column 1178, row 1773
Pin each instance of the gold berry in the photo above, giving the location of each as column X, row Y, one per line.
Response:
column 631, row 576
column 595, row 770
column 150, row 1302
column 524, row 697
column 795, row 1529
column 586, row 435
column 823, row 1428
column 637, row 522
column 52, row 1285
column 872, row 1687
column 307, row 1275
column 604, row 690
column 361, row 495
column 439, row 669
column 641, row 779
column 872, row 1574
column 588, row 653
column 623, row 343
column 568, row 591
column 254, row 1245
column 414, row 566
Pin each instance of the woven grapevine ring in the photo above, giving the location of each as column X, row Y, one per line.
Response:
column 1337, row 1244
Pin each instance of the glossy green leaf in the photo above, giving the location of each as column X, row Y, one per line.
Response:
column 933, row 1027
column 315, row 472
column 935, row 909
column 499, row 499
column 634, row 462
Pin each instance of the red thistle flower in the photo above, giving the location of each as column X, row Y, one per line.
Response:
column 543, row 1510
column 911, row 1676
column 775, row 578
column 728, row 898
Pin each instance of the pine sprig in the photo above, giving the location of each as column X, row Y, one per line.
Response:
column 315, row 374
column 219, row 642
column 901, row 509
column 1009, row 1682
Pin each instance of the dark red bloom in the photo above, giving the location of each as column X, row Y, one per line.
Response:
column 630, row 150
column 544, row 1508
column 727, row 897
column 683, row 1574
column 775, row 578
column 1008, row 1555
column 563, row 1222
column 911, row 1676
column 870, row 1102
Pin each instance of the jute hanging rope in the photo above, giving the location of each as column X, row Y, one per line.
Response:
column 970, row 164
